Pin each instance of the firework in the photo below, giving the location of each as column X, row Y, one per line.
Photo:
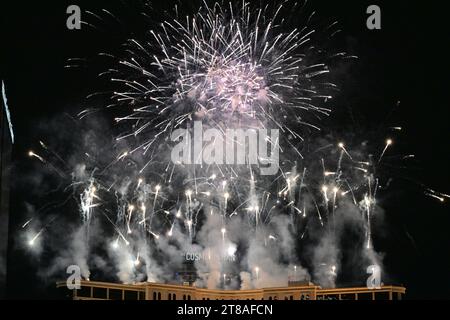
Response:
column 229, row 66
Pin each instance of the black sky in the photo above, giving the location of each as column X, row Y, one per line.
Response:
column 407, row 61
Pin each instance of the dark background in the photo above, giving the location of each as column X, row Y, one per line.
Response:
column 406, row 61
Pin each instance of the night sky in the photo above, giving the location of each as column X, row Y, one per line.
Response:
column 404, row 66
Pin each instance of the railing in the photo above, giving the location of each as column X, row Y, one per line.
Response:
column 91, row 290
column 362, row 293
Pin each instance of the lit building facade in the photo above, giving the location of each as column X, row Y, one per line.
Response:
column 92, row 290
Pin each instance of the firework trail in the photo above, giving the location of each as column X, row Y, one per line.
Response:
column 8, row 114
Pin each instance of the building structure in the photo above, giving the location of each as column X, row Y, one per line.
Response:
column 92, row 290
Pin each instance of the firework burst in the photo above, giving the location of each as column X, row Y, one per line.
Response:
column 226, row 64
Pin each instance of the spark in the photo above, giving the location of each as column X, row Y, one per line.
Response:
column 223, row 231
column 140, row 180
column 342, row 146
column 32, row 241
column 154, row 234
column 26, row 223
column 32, row 154
column 137, row 261
column 257, row 272
column 122, row 156
column 231, row 250
column 115, row 244
column 388, row 143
